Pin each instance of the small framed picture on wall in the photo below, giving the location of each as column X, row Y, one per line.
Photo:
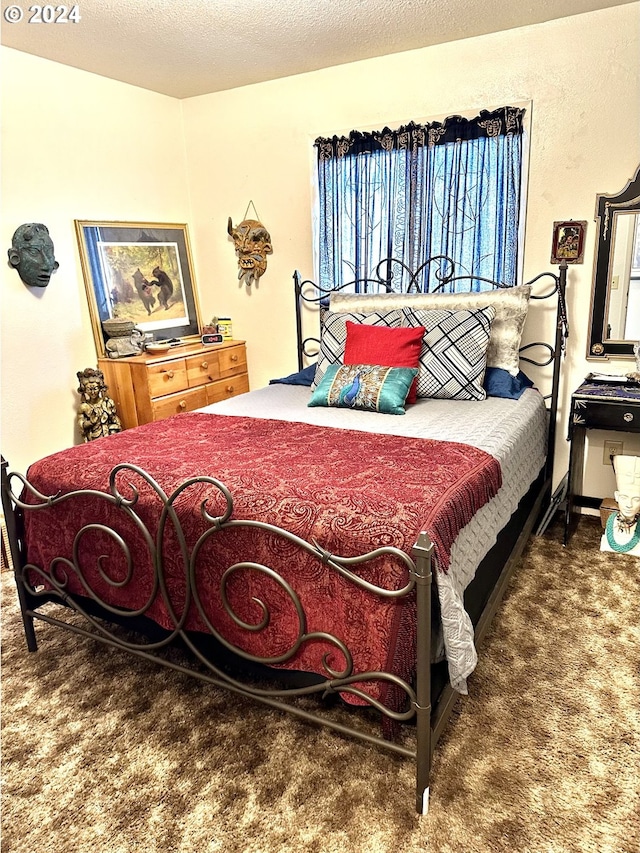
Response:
column 568, row 242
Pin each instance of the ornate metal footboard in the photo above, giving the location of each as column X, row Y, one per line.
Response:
column 67, row 580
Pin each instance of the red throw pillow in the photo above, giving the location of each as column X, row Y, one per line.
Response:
column 387, row 347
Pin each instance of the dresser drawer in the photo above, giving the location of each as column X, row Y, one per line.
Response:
column 174, row 404
column 202, row 369
column 607, row 415
column 232, row 360
column 167, row 377
column 226, row 388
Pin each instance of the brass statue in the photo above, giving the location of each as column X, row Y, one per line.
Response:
column 97, row 414
column 252, row 242
column 31, row 253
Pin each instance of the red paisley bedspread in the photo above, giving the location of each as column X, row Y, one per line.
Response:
column 351, row 491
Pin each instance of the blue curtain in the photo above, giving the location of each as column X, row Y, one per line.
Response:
column 446, row 188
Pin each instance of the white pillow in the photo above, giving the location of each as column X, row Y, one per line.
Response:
column 511, row 304
column 333, row 335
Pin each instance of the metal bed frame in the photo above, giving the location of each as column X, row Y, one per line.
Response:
column 429, row 709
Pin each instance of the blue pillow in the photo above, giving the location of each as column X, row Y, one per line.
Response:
column 497, row 382
column 367, row 387
column 302, row 377
column 500, row 383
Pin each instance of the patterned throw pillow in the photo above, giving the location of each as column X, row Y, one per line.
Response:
column 369, row 387
column 511, row 304
column 334, row 335
column 453, row 359
column 381, row 345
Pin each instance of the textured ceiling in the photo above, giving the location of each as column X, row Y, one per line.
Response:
column 191, row 47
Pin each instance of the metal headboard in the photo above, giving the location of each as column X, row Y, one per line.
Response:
column 393, row 276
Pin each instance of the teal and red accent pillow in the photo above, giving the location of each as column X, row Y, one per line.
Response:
column 388, row 347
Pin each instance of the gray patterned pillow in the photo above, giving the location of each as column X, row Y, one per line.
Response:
column 334, row 335
column 453, row 359
column 511, row 304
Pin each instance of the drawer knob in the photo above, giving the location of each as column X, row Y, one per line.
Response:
column 229, row 389
column 234, row 358
column 183, row 404
column 628, row 417
column 170, row 374
column 205, row 364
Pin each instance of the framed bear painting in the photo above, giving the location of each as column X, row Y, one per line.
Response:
column 141, row 272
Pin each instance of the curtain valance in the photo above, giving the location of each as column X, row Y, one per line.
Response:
column 504, row 121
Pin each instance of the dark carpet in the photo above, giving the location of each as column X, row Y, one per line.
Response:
column 106, row 753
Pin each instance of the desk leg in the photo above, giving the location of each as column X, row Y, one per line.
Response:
column 576, row 470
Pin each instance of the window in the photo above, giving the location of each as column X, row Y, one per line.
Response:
column 449, row 188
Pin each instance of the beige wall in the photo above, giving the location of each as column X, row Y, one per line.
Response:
column 74, row 146
column 581, row 75
column 255, row 144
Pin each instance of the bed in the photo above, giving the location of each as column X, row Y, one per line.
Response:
column 347, row 531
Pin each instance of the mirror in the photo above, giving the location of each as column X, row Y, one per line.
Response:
column 615, row 303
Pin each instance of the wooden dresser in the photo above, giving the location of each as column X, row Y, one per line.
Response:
column 152, row 387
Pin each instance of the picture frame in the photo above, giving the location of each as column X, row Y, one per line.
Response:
column 568, row 242
column 139, row 271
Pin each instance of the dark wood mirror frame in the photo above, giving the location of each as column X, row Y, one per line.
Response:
column 628, row 201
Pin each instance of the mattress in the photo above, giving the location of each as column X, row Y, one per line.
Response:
column 513, row 431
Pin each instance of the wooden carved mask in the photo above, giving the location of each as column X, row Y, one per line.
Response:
column 252, row 242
